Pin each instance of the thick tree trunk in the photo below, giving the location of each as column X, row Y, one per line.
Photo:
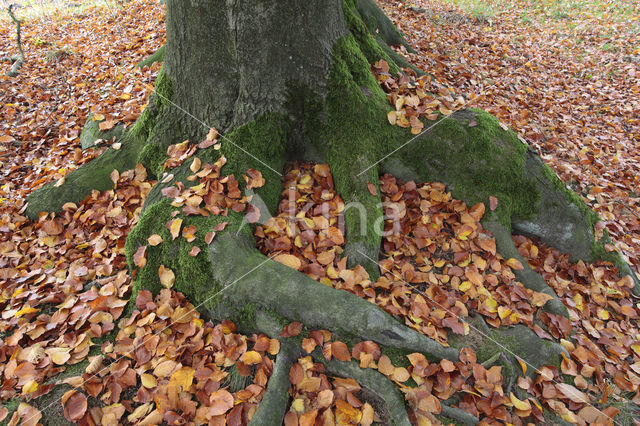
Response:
column 291, row 80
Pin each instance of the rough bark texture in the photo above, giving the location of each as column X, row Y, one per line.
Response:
column 307, row 93
column 238, row 79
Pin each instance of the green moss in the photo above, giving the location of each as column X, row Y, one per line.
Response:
column 475, row 162
column 447, row 421
column 571, row 196
column 193, row 273
column 489, row 347
column 266, row 139
column 350, row 130
column 157, row 56
column 12, row 406
column 245, row 317
column 153, row 157
column 368, row 45
column 398, row 357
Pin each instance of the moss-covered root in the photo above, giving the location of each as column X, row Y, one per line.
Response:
column 372, row 380
column 249, row 278
column 459, row 415
column 379, row 24
column 79, row 183
column 505, row 345
column 274, row 403
column 471, row 153
column 562, row 219
column 157, row 56
column 95, row 175
column 527, row 276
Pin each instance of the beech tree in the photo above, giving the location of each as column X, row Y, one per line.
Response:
column 284, row 81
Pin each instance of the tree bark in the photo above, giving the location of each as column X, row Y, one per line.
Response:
column 291, row 81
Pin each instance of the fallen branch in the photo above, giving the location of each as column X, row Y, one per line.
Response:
column 19, row 58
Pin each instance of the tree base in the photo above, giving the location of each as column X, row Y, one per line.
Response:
column 345, row 125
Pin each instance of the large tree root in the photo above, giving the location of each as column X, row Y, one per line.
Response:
column 476, row 158
column 273, row 405
column 274, row 287
column 459, row 415
column 529, row 278
column 372, row 380
column 157, row 56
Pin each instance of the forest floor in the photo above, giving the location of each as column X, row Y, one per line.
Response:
column 564, row 75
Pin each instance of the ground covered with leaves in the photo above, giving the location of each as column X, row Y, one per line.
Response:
column 69, row 347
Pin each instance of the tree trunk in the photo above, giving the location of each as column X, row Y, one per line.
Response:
column 289, row 81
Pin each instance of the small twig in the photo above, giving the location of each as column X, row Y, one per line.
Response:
column 626, row 206
column 19, row 59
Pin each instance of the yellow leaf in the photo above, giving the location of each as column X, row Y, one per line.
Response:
column 463, row 235
column 503, row 312
column 603, row 314
column 25, row 310
column 29, row 387
column 182, row 378
column 465, row 285
column 523, row 365
column 520, row 405
column 174, row 228
column 167, row 277
column 491, row 304
column 148, row 381
column 195, row 165
column 515, row 264
column 298, row 405
column 391, row 116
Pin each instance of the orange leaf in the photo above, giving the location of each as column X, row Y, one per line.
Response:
column 290, row 260
column 139, row 257
column 154, row 240
column 493, row 203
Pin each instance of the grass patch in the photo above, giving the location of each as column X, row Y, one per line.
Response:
column 482, row 11
column 34, row 9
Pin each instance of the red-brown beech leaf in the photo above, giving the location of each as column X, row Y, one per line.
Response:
column 75, row 405
column 253, row 214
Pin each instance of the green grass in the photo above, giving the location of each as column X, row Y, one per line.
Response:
column 551, row 10
column 34, row 9
column 481, row 10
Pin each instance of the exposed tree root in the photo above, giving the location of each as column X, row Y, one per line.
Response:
column 274, row 402
column 340, row 120
column 459, row 415
column 374, row 381
column 529, row 278
column 157, row 56
column 288, row 293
